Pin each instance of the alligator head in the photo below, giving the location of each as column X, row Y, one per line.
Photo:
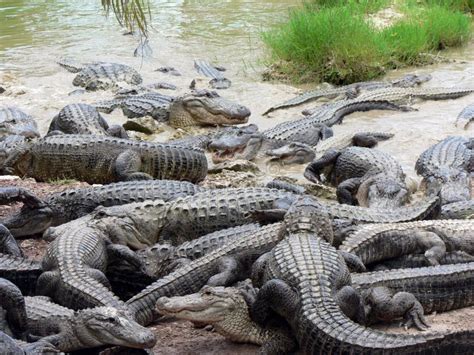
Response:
column 210, row 305
column 206, row 108
column 109, row 326
column 452, row 185
column 29, row 221
column 293, row 153
column 383, row 191
column 242, row 143
column 22, row 125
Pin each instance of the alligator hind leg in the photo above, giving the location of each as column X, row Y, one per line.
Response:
column 386, row 306
column 13, row 302
column 127, row 167
column 351, row 304
column 99, row 276
column 314, row 170
column 346, row 190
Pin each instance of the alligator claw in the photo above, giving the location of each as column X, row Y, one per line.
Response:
column 415, row 317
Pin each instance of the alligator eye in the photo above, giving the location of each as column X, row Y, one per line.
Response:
column 111, row 320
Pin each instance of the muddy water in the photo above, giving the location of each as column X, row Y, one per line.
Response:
column 34, row 34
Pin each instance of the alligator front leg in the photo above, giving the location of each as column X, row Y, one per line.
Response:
column 117, row 131
column 229, row 272
column 8, row 244
column 314, row 170
column 346, row 190
column 128, row 165
column 386, row 306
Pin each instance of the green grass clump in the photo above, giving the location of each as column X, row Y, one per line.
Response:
column 459, row 5
column 364, row 6
column 62, row 181
column 337, row 44
column 333, row 45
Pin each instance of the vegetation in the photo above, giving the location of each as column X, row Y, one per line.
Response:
column 131, row 14
column 332, row 40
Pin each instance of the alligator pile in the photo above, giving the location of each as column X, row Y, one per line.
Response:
column 270, row 265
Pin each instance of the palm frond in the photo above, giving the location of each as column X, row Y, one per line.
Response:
column 131, row 14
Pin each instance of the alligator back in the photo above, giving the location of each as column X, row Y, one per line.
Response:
column 98, row 76
column 79, row 119
column 93, row 159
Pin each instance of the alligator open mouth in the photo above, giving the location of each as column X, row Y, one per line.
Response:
column 219, row 156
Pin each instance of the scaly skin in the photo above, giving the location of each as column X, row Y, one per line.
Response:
column 446, row 167
column 8, row 244
column 308, row 130
column 299, row 153
column 369, row 177
column 465, row 117
column 100, row 159
column 419, row 260
column 22, row 272
column 378, row 242
column 15, row 122
column 458, row 210
column 88, row 328
column 206, row 108
column 101, row 76
column 350, row 91
column 227, row 311
column 221, row 267
column 218, row 81
column 405, row 95
column 11, row 346
column 437, row 288
column 306, row 282
column 68, row 205
column 13, row 303
column 83, row 119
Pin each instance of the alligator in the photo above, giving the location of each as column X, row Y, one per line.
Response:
column 350, row 91
column 369, row 177
column 160, row 259
column 465, row 117
column 103, row 159
column 13, row 347
column 446, row 167
column 22, row 272
column 65, row 206
column 225, row 308
column 13, row 121
column 305, row 281
column 87, row 328
column 436, row 288
column 151, row 104
column 300, row 153
column 379, row 242
column 458, row 210
column 74, row 266
column 83, row 119
column 8, row 244
column 100, row 75
column 169, row 70
column 408, row 95
column 309, row 130
column 419, row 260
column 12, row 304
column 218, row 81
column 221, row 267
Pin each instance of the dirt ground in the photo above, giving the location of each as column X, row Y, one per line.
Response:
column 180, row 337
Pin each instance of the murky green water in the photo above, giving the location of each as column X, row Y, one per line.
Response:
column 227, row 29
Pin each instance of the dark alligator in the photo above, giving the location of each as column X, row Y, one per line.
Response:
column 309, row 130
column 305, row 281
column 419, row 260
column 83, row 119
column 218, row 80
column 22, row 272
column 12, row 347
column 8, row 244
column 465, row 117
column 15, row 122
column 100, row 75
column 84, row 329
column 436, row 288
column 102, row 159
column 350, row 91
column 65, row 206
column 300, row 153
column 446, row 167
column 12, row 304
column 227, row 311
column 369, row 177
column 379, row 242
column 223, row 266
column 458, row 210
